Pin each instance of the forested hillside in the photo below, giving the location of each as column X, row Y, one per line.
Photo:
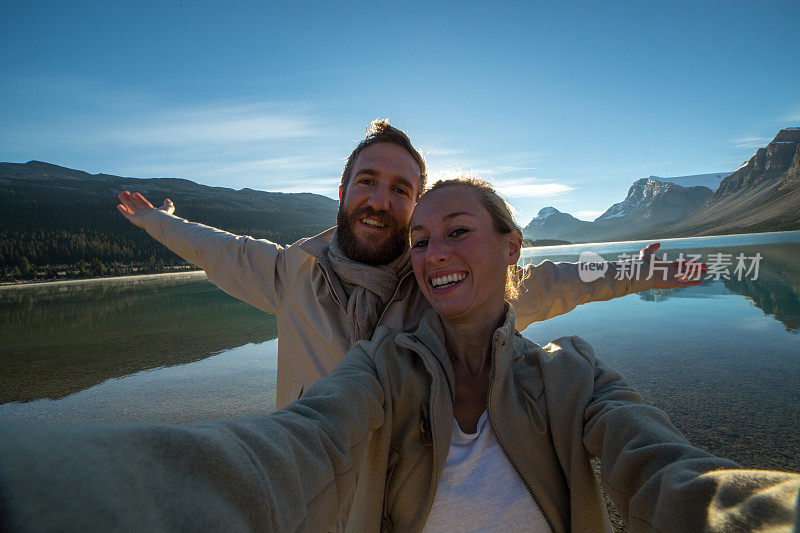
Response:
column 61, row 223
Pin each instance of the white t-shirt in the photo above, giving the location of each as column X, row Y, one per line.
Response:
column 479, row 490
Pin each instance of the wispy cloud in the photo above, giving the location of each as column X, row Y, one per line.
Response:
column 531, row 188
column 250, row 145
column 445, row 163
column 217, row 124
column 750, row 142
column 438, row 152
column 236, row 142
column 292, row 165
column 792, row 116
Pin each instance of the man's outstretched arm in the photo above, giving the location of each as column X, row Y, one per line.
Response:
column 249, row 269
column 551, row 289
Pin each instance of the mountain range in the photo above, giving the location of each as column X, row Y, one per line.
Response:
column 65, row 219
column 762, row 195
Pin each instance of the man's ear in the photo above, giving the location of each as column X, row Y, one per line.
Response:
column 340, row 193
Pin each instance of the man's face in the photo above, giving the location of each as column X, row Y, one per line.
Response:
column 372, row 222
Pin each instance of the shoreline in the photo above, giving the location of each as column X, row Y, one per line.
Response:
column 531, row 250
column 24, row 284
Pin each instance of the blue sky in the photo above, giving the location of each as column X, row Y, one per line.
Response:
column 561, row 104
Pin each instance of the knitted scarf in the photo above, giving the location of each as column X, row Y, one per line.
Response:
column 369, row 287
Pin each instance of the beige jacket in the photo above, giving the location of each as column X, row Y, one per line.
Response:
column 298, row 286
column 373, row 438
column 552, row 409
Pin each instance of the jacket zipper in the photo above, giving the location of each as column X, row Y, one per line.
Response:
column 505, row 453
column 432, row 401
column 386, row 520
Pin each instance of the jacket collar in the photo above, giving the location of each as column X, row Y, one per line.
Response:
column 317, row 246
column 429, row 335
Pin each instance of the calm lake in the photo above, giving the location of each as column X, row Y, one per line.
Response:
column 722, row 359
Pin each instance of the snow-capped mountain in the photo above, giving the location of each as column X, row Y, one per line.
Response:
column 651, row 201
column 710, row 181
column 550, row 223
column 762, row 195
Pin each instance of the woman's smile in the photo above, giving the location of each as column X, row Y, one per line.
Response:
column 444, row 280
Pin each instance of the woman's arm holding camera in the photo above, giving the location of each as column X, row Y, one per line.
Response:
column 294, row 469
column 660, row 482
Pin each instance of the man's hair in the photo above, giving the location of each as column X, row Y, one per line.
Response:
column 500, row 213
column 380, row 131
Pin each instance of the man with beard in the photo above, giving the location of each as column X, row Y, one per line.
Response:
column 334, row 289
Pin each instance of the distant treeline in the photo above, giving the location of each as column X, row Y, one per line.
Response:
column 543, row 242
column 51, row 232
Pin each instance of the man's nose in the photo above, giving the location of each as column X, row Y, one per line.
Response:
column 379, row 199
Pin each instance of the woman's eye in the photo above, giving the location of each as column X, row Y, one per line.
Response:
column 458, row 232
column 420, row 243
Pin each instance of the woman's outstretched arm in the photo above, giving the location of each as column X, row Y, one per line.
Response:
column 660, row 482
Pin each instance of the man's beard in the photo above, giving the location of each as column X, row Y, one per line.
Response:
column 370, row 253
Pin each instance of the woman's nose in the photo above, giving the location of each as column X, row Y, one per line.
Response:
column 437, row 252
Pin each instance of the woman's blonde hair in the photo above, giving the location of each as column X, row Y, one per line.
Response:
column 500, row 213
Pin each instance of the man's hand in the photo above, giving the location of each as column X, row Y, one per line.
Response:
column 670, row 274
column 135, row 206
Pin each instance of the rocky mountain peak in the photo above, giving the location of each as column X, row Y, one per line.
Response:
column 793, row 174
column 641, row 194
column 767, row 164
column 549, row 222
column 547, row 211
column 788, row 135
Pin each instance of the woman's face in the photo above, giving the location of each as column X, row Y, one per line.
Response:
column 459, row 260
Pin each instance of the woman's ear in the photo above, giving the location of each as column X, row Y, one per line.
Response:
column 514, row 246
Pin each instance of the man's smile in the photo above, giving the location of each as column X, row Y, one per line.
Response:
column 373, row 222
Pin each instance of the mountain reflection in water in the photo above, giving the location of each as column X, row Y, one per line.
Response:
column 776, row 291
column 62, row 338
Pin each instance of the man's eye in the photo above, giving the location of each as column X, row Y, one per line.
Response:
column 401, row 191
column 365, row 181
column 420, row 243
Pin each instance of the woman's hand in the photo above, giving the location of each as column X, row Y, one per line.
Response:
column 671, row 274
column 134, row 207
